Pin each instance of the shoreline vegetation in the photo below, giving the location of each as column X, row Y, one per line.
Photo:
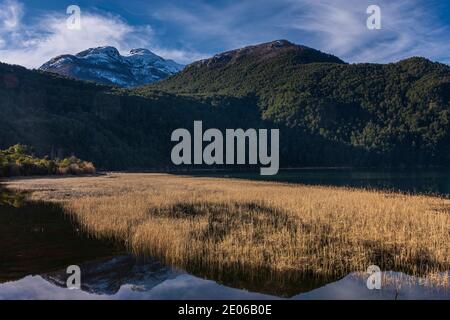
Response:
column 247, row 227
column 19, row 160
column 329, row 113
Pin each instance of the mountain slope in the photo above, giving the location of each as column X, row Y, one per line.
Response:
column 105, row 65
column 246, row 70
column 112, row 127
column 394, row 111
column 329, row 113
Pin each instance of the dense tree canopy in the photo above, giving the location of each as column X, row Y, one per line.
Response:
column 330, row 113
column 389, row 114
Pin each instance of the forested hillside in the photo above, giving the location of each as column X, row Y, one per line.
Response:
column 330, row 113
column 395, row 114
column 113, row 128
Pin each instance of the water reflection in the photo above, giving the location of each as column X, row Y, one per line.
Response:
column 425, row 181
column 165, row 283
column 38, row 241
column 38, row 237
column 108, row 276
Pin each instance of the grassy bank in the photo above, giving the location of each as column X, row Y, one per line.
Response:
column 239, row 225
column 19, row 160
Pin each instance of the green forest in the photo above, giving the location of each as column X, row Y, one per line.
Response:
column 329, row 113
column 19, row 160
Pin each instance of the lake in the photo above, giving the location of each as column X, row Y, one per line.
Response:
column 38, row 241
column 425, row 181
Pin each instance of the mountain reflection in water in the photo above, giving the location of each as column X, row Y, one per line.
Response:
column 38, row 241
column 135, row 281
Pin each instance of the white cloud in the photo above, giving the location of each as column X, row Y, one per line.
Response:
column 224, row 26
column 33, row 44
column 10, row 14
column 50, row 37
column 409, row 27
column 181, row 56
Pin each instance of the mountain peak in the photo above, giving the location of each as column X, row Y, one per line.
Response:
column 267, row 51
column 141, row 51
column 282, row 43
column 106, row 50
column 107, row 66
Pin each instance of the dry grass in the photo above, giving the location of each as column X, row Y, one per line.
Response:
column 244, row 225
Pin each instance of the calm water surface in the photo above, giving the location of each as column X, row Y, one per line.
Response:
column 38, row 242
column 426, row 181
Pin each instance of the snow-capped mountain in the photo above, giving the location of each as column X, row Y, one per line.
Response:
column 106, row 65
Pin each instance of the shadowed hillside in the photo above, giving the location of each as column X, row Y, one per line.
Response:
column 396, row 113
column 330, row 113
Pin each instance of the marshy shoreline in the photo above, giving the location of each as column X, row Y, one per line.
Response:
column 249, row 228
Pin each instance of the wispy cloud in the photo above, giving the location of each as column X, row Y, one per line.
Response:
column 409, row 27
column 179, row 55
column 188, row 31
column 10, row 14
column 230, row 25
column 35, row 42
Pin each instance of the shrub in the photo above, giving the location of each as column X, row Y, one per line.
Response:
column 19, row 160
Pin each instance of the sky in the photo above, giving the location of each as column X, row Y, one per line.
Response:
column 34, row 31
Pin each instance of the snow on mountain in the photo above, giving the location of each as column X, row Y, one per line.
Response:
column 107, row 66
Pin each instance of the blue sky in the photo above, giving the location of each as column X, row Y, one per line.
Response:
column 33, row 31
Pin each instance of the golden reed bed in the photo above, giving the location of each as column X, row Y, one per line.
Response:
column 230, row 224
